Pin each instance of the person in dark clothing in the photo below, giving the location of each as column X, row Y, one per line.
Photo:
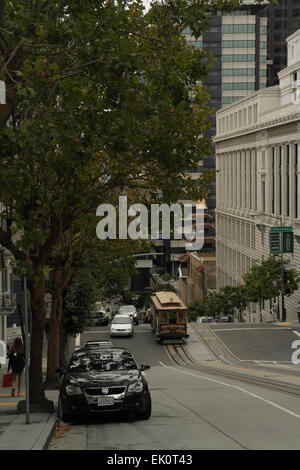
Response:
column 16, row 363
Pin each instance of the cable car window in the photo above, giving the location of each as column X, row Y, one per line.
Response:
column 181, row 317
column 172, row 317
column 164, row 317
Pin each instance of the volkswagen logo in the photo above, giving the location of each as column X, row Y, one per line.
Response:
column 104, row 390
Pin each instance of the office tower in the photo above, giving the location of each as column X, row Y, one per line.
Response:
column 283, row 20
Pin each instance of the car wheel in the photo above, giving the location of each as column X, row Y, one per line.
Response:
column 63, row 416
column 147, row 413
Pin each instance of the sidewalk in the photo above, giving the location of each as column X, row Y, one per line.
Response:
column 15, row 434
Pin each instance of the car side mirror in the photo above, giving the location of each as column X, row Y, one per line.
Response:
column 144, row 367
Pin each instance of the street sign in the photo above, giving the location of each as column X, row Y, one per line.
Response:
column 281, row 229
column 274, row 243
column 288, row 242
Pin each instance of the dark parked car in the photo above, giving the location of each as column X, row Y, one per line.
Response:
column 102, row 318
column 226, row 319
column 98, row 381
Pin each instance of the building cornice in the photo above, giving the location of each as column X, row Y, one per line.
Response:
column 275, row 122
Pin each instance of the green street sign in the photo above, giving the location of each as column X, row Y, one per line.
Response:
column 288, row 242
column 281, row 229
column 274, row 243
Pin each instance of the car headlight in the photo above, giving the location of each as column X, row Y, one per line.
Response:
column 73, row 390
column 136, row 387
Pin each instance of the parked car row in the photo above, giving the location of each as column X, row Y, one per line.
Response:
column 223, row 319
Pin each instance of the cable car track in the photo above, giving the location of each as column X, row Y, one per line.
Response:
column 179, row 356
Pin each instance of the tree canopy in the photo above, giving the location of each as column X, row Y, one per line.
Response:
column 100, row 95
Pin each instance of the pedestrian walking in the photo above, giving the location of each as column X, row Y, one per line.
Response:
column 298, row 311
column 275, row 310
column 16, row 363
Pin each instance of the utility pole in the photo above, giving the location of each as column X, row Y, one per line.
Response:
column 26, row 350
column 283, row 312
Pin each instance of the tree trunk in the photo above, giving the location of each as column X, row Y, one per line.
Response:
column 53, row 358
column 55, row 320
column 38, row 308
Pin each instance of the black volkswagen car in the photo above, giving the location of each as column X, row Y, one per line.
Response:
column 104, row 380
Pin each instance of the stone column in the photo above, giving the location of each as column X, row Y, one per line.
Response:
column 238, row 179
column 218, row 179
column 277, row 179
column 292, row 176
column 284, row 187
column 254, row 180
column 269, row 181
column 234, row 183
column 244, row 178
column 248, row 178
column 298, row 180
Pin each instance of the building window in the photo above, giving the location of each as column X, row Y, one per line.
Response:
column 238, row 58
column 238, row 86
column 231, row 99
column 238, row 28
column 196, row 44
column 238, row 43
column 238, row 72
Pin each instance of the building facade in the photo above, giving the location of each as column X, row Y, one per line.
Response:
column 258, row 175
column 283, row 20
column 7, row 296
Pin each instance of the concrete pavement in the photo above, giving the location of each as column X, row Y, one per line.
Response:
column 15, row 434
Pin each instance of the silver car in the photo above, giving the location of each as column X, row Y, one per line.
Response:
column 121, row 326
column 129, row 310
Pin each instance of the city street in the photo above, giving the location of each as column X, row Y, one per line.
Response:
column 191, row 409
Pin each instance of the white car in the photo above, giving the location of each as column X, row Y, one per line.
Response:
column 131, row 311
column 121, row 326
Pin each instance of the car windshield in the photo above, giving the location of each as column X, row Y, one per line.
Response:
column 127, row 309
column 109, row 360
column 120, row 320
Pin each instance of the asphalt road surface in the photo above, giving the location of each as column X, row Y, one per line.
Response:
column 258, row 342
column 193, row 409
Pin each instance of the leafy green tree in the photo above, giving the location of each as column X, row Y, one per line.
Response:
column 98, row 96
column 213, row 303
column 264, row 281
column 232, row 299
column 195, row 310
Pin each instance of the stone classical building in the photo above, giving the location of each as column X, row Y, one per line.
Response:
column 258, row 174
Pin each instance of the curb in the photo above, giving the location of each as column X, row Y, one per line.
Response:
column 47, row 433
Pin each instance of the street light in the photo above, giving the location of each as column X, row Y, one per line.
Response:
column 280, row 218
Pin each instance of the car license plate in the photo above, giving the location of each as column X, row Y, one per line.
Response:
column 105, row 401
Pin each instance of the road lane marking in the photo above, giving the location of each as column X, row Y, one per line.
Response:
column 269, row 402
column 9, row 394
column 296, row 333
column 249, row 329
column 8, row 404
